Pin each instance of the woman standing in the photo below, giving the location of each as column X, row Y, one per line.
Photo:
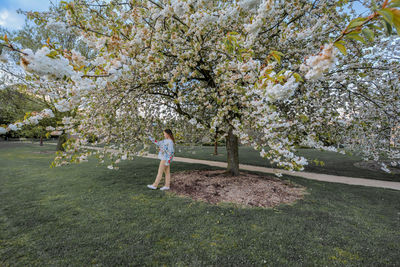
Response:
column 166, row 154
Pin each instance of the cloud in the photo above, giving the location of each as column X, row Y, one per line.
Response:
column 8, row 11
column 3, row 16
column 10, row 20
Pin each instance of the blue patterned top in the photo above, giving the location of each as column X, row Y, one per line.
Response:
column 167, row 150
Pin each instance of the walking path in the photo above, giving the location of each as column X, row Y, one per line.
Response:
column 307, row 175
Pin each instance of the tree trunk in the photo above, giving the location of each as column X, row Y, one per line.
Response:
column 232, row 149
column 216, row 144
column 61, row 140
column 41, row 140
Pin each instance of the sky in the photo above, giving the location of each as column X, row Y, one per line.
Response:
column 9, row 18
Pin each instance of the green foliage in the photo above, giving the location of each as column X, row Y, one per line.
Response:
column 355, row 36
column 53, row 54
column 17, row 107
column 341, row 47
column 365, row 25
column 391, row 18
column 15, row 104
column 356, row 22
column 394, row 3
column 304, row 118
column 277, row 56
column 387, row 15
column 368, row 33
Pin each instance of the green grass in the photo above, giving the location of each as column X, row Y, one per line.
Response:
column 82, row 215
column 335, row 163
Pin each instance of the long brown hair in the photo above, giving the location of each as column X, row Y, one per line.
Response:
column 169, row 132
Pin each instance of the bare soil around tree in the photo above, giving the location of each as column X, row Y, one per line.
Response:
column 247, row 189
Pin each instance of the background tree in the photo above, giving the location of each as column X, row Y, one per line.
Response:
column 15, row 104
column 28, row 90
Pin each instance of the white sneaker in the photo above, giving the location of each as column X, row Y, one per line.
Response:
column 151, row 186
column 164, row 188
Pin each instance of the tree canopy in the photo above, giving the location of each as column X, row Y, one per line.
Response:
column 270, row 74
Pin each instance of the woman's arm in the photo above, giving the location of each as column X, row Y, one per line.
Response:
column 158, row 143
column 160, row 146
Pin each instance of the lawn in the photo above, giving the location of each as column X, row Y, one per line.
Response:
column 81, row 215
column 334, row 163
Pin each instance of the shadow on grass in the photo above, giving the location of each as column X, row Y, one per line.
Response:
column 88, row 215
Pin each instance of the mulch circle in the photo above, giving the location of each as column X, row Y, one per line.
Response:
column 215, row 186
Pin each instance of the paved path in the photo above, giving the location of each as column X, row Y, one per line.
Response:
column 307, row 175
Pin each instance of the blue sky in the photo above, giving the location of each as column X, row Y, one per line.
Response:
column 11, row 20
column 357, row 7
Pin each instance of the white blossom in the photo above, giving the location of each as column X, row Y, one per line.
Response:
column 193, row 121
column 3, row 130
column 62, row 105
column 57, row 26
column 13, row 127
column 41, row 64
column 3, row 57
column 384, row 168
column 47, row 113
column 57, row 133
column 316, row 65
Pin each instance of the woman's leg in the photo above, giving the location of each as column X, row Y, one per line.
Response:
column 167, row 175
column 160, row 173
